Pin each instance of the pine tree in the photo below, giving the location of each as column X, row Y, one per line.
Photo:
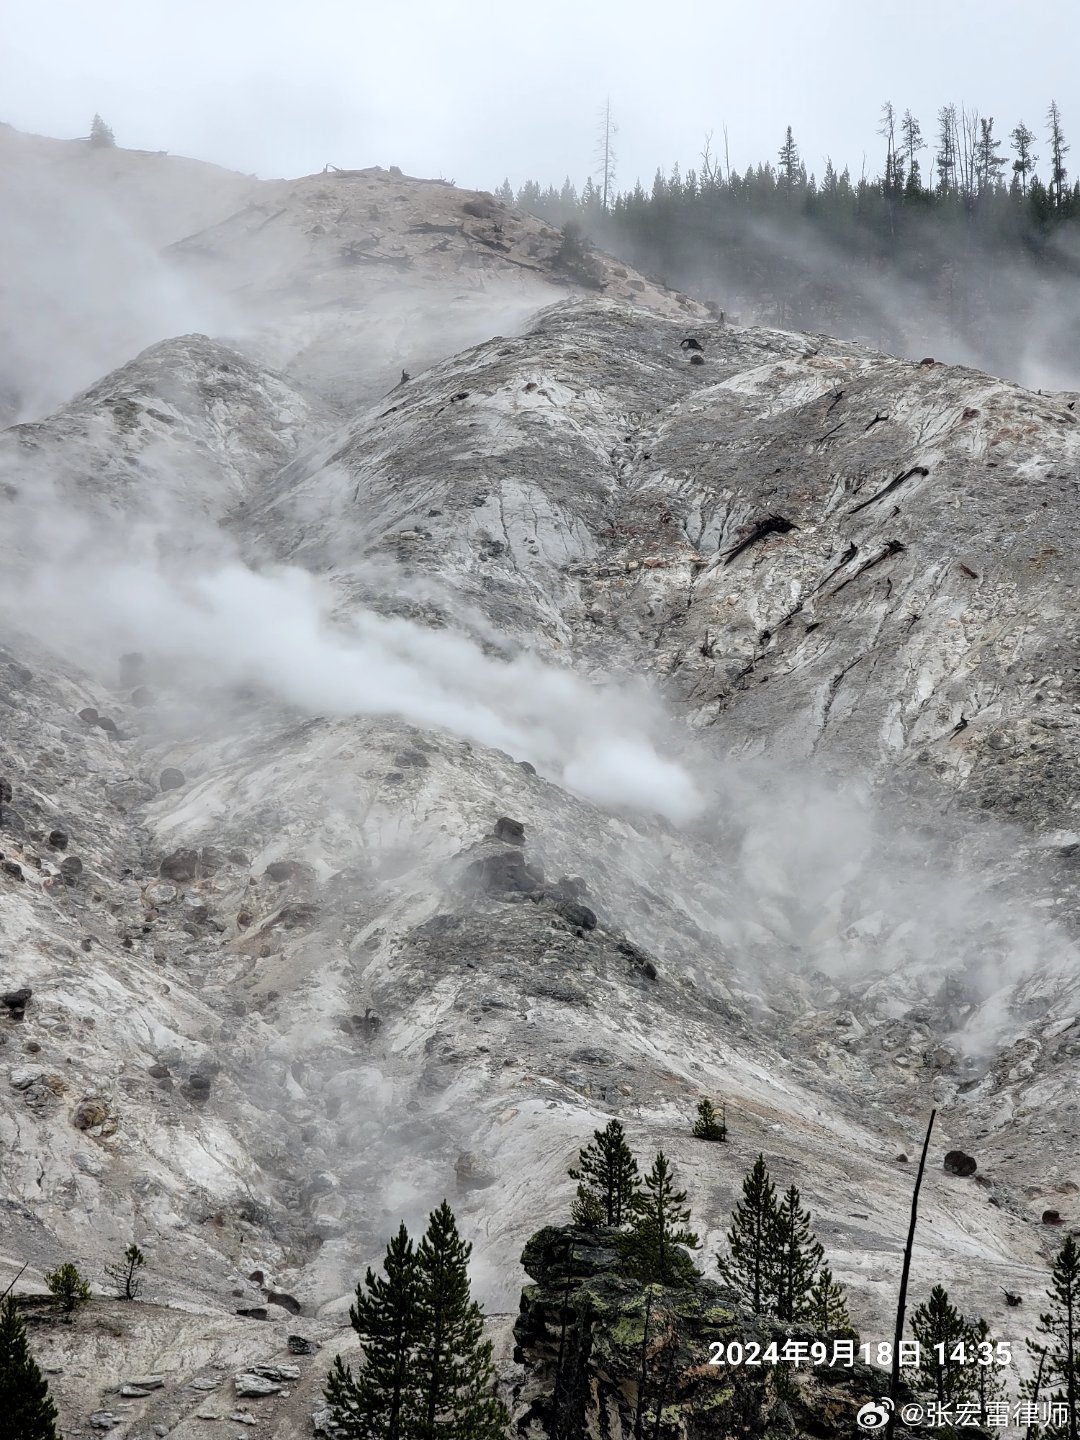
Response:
column 101, row 135
column 1060, row 1326
column 452, row 1369
column 709, row 1125
column 1058, row 150
column 26, row 1411
column 608, row 1169
column 124, row 1274
column 789, row 161
column 587, row 1210
column 1024, row 165
column 988, row 1382
column 946, row 1347
column 68, row 1287
column 659, row 1226
column 826, row 1307
column 749, row 1267
column 379, row 1400
column 797, row 1257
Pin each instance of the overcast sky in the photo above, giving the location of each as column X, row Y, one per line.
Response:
column 476, row 91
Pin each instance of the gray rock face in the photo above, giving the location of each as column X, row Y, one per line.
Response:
column 785, row 885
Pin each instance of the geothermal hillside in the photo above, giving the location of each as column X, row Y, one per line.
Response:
column 403, row 776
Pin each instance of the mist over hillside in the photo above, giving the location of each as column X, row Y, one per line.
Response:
column 456, row 693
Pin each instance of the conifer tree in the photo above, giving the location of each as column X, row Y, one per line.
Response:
column 124, row 1274
column 608, row 1169
column 68, row 1287
column 452, row 1369
column 988, row 1381
column 1060, row 1327
column 709, row 1125
column 659, row 1226
column 587, row 1210
column 826, row 1307
column 379, row 1399
column 749, row 1267
column 101, row 135
column 946, row 1348
column 796, row 1256
column 26, row 1411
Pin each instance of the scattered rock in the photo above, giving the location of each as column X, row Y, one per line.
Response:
column 16, row 999
column 160, row 893
column 181, row 865
column 205, row 1383
column 527, row 766
column 171, row 778
column 70, row 869
column 127, row 794
column 299, row 1346
column 90, row 1166
column 578, row 915
column 58, row 839
column 92, row 1112
column 511, row 831
column 957, row 1163
column 294, row 915
column 103, row 1420
column 12, row 868
column 89, row 715
column 243, row 1417
column 286, row 1301
column 500, row 871
column 1051, row 1217
column 415, row 759
column 133, row 1392
column 253, row 1312
column 248, row 1383
column 23, row 1076
column 109, row 726
column 276, row 1372
column 473, row 1172
column 279, row 870
column 901, row 1159
column 197, row 1088
column 158, row 1072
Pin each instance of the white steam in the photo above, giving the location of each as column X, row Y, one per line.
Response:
column 276, row 629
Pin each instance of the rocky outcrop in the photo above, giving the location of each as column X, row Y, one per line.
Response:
column 606, row 1356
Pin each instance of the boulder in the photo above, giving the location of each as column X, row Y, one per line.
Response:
column 500, row 871
column 58, row 839
column 247, row 1383
column 12, row 868
column 473, row 1172
column 92, row 1112
column 16, row 999
column 578, row 915
column 280, row 870
column 23, row 1076
column 271, row 1371
column 89, row 715
column 181, row 866
column 510, row 831
column 70, row 869
column 1049, row 1217
column 957, row 1163
column 171, row 778
column 160, row 893
column 298, row 1345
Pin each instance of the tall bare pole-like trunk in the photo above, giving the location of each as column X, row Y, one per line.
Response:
column 901, row 1304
